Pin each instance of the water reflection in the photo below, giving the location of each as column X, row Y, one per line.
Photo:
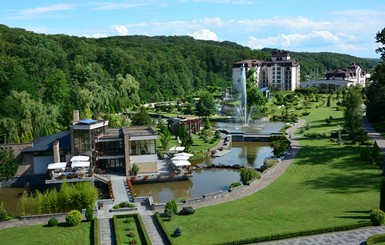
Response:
column 203, row 182
column 250, row 154
column 10, row 198
column 261, row 127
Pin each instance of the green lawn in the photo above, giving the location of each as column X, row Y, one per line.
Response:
column 326, row 186
column 130, row 229
column 42, row 234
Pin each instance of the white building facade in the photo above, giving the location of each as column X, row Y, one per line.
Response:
column 280, row 73
column 353, row 75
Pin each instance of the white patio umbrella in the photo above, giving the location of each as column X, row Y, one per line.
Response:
column 181, row 163
column 180, row 158
column 184, row 154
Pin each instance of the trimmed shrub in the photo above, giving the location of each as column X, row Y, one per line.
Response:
column 89, row 214
column 124, row 205
column 375, row 239
column 172, row 206
column 187, row 211
column 178, row 231
column 377, row 216
column 53, row 222
column 74, row 217
column 235, row 184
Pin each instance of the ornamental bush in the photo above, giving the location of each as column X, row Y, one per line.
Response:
column 235, row 184
column 53, row 222
column 89, row 214
column 74, row 217
column 248, row 175
column 178, row 231
column 187, row 211
column 377, row 216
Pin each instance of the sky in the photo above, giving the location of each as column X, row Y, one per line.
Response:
column 339, row 26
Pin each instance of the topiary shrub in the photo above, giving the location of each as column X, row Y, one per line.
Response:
column 377, row 216
column 178, row 231
column 89, row 214
column 187, row 211
column 53, row 222
column 74, row 217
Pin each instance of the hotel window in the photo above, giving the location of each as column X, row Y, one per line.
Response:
column 142, row 147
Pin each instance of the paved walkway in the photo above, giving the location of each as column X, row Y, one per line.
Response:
column 121, row 194
column 352, row 237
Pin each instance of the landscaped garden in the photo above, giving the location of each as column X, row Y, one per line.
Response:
column 43, row 234
column 129, row 229
column 327, row 186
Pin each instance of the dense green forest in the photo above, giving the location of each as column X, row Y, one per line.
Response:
column 43, row 78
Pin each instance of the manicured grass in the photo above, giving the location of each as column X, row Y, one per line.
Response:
column 127, row 229
column 42, row 234
column 326, row 186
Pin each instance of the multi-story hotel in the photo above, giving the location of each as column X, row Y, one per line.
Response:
column 280, row 73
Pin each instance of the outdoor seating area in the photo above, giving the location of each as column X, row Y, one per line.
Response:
column 179, row 164
column 78, row 171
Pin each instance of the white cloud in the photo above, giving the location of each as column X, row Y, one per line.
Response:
column 121, row 30
column 47, row 9
column 97, row 35
column 204, row 34
column 116, row 6
column 314, row 38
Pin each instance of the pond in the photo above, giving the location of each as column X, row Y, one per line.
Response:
column 10, row 198
column 211, row 180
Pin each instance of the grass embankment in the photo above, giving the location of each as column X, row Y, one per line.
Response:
column 42, row 234
column 326, row 186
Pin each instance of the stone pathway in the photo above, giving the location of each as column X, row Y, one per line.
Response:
column 121, row 194
column 352, row 237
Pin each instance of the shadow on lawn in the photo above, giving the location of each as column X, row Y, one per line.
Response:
column 365, row 215
column 322, row 123
column 347, row 172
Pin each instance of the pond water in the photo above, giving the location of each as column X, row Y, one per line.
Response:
column 259, row 126
column 211, row 180
column 207, row 181
column 10, row 197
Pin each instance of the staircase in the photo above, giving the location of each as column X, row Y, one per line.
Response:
column 101, row 179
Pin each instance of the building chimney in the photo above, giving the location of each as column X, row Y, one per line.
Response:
column 56, row 152
column 76, row 117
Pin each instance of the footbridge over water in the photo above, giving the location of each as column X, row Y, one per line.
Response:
column 238, row 136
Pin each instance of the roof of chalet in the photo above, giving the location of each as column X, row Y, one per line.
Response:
column 280, row 53
column 45, row 143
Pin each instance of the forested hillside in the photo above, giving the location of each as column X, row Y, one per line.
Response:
column 43, row 78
